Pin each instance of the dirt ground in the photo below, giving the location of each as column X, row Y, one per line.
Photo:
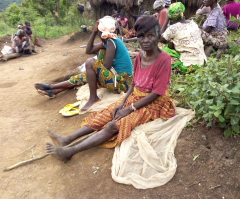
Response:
column 24, row 116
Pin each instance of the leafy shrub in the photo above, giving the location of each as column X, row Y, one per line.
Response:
column 213, row 92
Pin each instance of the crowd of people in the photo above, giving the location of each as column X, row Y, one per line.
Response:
column 168, row 42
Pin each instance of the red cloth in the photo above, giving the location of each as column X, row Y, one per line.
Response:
column 162, row 16
column 155, row 78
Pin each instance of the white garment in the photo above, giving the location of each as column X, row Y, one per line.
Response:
column 188, row 42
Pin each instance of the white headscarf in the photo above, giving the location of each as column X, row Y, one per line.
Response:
column 158, row 3
column 167, row 2
column 107, row 27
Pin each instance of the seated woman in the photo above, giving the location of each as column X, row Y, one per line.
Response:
column 112, row 70
column 147, row 99
column 231, row 9
column 159, row 6
column 20, row 43
column 185, row 37
column 33, row 38
column 123, row 22
column 214, row 29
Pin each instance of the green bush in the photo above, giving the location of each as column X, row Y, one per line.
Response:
column 213, row 92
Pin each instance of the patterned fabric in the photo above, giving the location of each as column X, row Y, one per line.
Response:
column 188, row 42
column 216, row 20
column 122, row 22
column 176, row 10
column 200, row 19
column 130, row 34
column 105, row 77
column 217, row 39
column 20, row 44
column 176, row 64
column 232, row 25
column 162, row 107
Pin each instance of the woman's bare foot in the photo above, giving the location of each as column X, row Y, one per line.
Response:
column 57, row 139
column 48, row 93
column 208, row 51
column 220, row 52
column 89, row 104
column 63, row 154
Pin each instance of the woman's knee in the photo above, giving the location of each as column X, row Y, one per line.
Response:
column 112, row 127
column 89, row 63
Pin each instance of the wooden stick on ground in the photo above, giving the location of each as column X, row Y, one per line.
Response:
column 45, row 155
column 26, row 150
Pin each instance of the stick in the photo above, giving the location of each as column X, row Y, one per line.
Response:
column 26, row 150
column 228, row 69
column 45, row 155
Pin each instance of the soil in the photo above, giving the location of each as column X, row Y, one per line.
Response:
column 24, row 116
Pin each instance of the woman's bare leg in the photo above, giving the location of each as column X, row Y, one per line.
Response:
column 66, row 154
column 92, row 82
column 63, row 141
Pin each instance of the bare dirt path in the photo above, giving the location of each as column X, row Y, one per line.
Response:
column 24, row 116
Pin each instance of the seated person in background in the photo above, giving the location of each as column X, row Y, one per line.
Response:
column 112, row 69
column 214, row 29
column 202, row 14
column 29, row 33
column 147, row 99
column 20, row 43
column 185, row 38
column 123, row 22
column 115, row 15
column 80, row 8
column 159, row 6
column 231, row 9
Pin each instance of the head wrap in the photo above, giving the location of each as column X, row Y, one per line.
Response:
column 144, row 24
column 19, row 32
column 20, row 26
column 158, row 3
column 176, row 10
column 167, row 3
column 107, row 27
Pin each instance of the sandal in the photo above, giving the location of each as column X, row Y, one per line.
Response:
column 68, row 107
column 73, row 111
column 44, row 86
column 50, row 93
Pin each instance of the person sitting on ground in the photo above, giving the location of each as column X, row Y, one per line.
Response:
column 184, row 40
column 231, row 9
column 34, row 39
column 146, row 100
column 214, row 29
column 112, row 69
column 80, row 8
column 20, row 43
column 123, row 22
column 159, row 6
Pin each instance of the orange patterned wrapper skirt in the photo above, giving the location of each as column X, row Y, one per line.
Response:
column 162, row 107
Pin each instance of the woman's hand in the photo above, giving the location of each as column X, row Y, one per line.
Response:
column 123, row 113
column 96, row 26
column 116, row 109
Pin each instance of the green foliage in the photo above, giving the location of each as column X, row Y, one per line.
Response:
column 213, row 92
column 5, row 3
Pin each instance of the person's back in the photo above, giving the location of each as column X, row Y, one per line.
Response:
column 187, row 40
column 233, row 9
column 122, row 61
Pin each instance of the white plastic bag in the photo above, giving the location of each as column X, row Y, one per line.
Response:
column 6, row 50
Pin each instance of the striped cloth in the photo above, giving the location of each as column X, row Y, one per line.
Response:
column 162, row 107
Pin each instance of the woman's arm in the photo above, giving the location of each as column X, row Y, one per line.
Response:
column 125, row 24
column 93, row 48
column 141, row 103
column 208, row 29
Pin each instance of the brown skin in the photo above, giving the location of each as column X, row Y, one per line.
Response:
column 212, row 4
column 90, row 49
column 148, row 43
